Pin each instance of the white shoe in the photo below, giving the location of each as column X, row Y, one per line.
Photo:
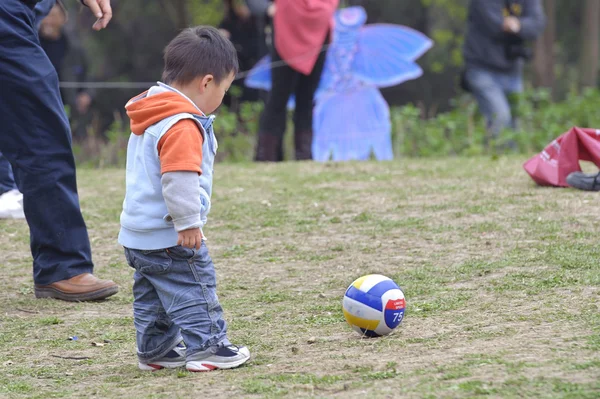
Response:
column 11, row 205
column 226, row 357
column 175, row 358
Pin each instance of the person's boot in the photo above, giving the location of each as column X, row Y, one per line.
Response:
column 303, row 145
column 583, row 181
column 268, row 148
column 84, row 287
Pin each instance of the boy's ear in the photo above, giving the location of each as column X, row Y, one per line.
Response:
column 206, row 80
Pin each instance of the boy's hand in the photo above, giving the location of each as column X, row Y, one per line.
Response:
column 191, row 238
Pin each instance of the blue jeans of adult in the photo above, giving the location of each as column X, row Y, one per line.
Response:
column 36, row 140
column 492, row 90
column 175, row 296
column 7, row 180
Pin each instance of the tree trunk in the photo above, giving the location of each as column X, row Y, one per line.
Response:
column 544, row 61
column 590, row 32
column 176, row 11
column 182, row 13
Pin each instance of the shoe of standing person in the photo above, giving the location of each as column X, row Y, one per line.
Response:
column 84, row 287
column 584, row 181
column 11, row 205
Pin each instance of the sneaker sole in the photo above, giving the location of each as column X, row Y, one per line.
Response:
column 203, row 366
column 158, row 366
column 49, row 292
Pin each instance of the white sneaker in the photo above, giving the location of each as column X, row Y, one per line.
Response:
column 175, row 358
column 11, row 205
column 226, row 357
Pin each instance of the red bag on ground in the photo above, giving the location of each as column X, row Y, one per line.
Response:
column 561, row 157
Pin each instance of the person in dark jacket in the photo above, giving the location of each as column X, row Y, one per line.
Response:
column 11, row 199
column 50, row 19
column 495, row 51
column 37, row 143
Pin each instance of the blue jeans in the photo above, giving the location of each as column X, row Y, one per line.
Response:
column 491, row 90
column 7, row 180
column 175, row 296
column 36, row 140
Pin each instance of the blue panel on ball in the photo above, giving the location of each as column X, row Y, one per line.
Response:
column 364, row 298
column 369, row 333
column 381, row 288
column 393, row 317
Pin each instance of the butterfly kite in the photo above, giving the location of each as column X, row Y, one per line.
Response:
column 351, row 118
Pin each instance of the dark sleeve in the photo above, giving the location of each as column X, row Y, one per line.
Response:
column 41, row 10
column 488, row 14
column 533, row 20
column 258, row 7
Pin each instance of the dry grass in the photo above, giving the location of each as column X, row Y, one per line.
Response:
column 501, row 279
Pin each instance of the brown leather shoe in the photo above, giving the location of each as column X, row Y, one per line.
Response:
column 84, row 287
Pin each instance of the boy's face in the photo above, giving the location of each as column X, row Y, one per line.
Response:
column 214, row 93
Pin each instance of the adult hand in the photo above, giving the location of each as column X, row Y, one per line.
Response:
column 271, row 10
column 102, row 10
column 511, row 24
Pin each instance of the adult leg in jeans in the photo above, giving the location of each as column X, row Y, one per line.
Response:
column 11, row 200
column 273, row 119
column 37, row 143
column 7, row 180
column 303, row 115
column 512, row 84
column 492, row 100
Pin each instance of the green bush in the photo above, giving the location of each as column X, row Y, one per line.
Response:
column 459, row 132
column 462, row 131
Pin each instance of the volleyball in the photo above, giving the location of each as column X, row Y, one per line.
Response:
column 374, row 305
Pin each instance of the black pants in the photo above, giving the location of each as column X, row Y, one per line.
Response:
column 286, row 81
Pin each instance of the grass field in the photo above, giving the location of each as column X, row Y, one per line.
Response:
column 502, row 280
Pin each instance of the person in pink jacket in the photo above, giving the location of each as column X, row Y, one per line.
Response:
column 301, row 28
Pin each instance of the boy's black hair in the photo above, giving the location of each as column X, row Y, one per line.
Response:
column 199, row 51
